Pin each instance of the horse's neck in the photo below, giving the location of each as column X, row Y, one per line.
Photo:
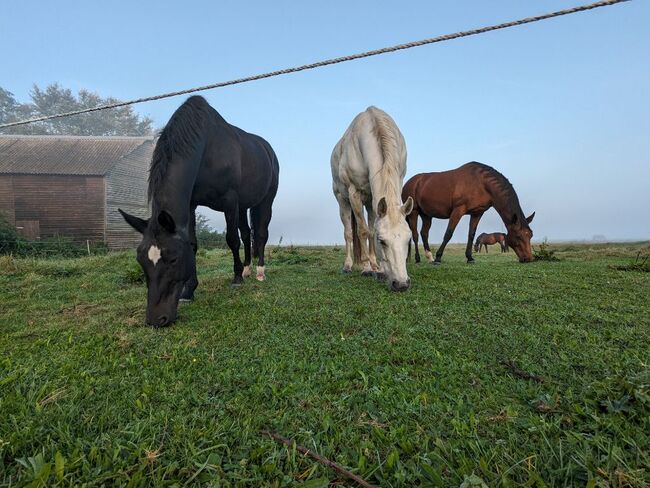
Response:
column 175, row 192
column 503, row 203
column 383, row 186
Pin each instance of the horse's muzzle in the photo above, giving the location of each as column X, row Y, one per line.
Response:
column 161, row 321
column 400, row 285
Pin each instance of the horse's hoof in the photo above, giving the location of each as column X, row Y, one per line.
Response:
column 247, row 272
column 367, row 273
column 437, row 263
column 346, row 270
column 260, row 275
column 235, row 284
column 183, row 301
column 471, row 261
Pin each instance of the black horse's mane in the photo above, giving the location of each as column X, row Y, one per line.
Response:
column 502, row 185
column 180, row 136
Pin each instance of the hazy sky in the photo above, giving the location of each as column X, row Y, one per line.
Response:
column 560, row 107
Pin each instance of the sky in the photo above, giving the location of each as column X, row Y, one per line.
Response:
column 560, row 107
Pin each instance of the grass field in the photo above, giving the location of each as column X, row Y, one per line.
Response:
column 496, row 374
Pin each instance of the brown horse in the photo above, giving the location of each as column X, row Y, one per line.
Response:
column 471, row 189
column 490, row 239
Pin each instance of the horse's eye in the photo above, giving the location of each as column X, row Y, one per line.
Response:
column 173, row 261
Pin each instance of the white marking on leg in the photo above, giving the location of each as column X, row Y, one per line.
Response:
column 247, row 271
column 260, row 273
column 428, row 255
column 154, row 254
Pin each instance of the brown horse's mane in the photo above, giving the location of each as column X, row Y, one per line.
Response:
column 179, row 137
column 498, row 185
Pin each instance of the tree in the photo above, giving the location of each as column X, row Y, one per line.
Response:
column 122, row 121
column 206, row 236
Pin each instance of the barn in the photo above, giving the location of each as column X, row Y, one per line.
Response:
column 71, row 186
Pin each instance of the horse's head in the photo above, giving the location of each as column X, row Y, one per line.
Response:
column 392, row 235
column 519, row 236
column 476, row 244
column 167, row 259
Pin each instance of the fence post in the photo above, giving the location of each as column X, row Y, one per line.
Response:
column 88, row 246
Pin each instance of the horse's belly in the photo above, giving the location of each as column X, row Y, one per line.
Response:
column 436, row 210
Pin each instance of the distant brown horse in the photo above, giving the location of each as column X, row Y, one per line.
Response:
column 490, row 239
column 471, row 189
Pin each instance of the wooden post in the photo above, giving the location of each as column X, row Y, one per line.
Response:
column 88, row 246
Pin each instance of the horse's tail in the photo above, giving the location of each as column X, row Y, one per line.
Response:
column 356, row 242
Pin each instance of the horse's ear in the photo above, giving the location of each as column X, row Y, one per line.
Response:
column 407, row 208
column 382, row 207
column 136, row 222
column 166, row 221
column 530, row 218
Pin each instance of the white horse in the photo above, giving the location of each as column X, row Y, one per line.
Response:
column 368, row 167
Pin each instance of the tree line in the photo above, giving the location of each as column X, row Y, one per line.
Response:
column 54, row 98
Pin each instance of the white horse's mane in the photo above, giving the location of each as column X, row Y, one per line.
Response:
column 391, row 144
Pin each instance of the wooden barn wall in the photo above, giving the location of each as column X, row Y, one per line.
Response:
column 69, row 206
column 7, row 199
column 126, row 188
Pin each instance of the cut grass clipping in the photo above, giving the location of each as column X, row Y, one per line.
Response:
column 498, row 374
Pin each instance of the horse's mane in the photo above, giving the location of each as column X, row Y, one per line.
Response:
column 179, row 137
column 389, row 142
column 500, row 184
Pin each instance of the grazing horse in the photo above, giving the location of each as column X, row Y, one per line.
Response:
column 490, row 239
column 471, row 189
column 200, row 159
column 368, row 167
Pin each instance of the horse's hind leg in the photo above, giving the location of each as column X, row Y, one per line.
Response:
column 187, row 295
column 261, row 217
column 424, row 233
column 245, row 233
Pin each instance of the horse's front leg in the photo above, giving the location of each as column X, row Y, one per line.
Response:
column 345, row 211
column 232, row 239
column 454, row 218
column 372, row 251
column 412, row 220
column 473, row 224
column 245, row 232
column 357, row 207
column 187, row 295
column 424, row 233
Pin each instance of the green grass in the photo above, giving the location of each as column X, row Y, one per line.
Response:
column 403, row 389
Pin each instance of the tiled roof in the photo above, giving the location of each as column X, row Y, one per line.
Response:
column 64, row 155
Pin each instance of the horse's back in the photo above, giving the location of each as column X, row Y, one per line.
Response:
column 371, row 140
column 437, row 194
column 235, row 161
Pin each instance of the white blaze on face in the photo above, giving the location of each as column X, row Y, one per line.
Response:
column 154, row 254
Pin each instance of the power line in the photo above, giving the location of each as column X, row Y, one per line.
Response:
column 327, row 62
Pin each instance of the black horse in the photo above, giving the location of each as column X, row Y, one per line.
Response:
column 200, row 159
